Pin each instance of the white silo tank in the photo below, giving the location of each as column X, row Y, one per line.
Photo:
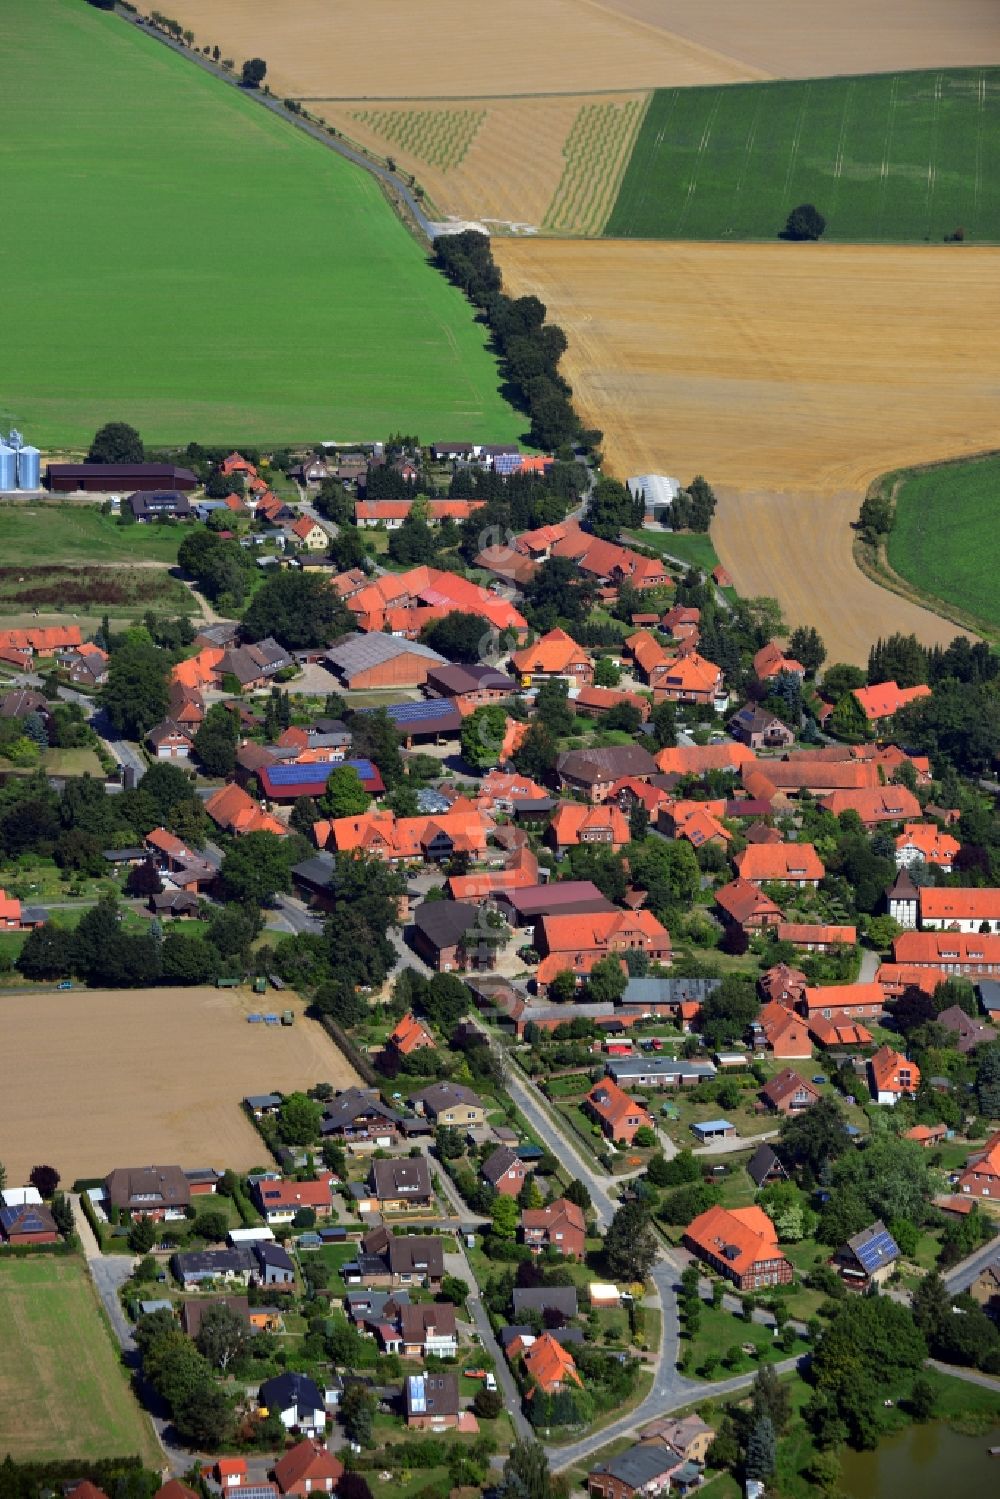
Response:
column 8, row 468
column 29, row 467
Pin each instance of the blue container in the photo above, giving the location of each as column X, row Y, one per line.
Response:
column 8, row 468
column 29, row 467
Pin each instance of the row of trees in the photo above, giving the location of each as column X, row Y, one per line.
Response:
column 530, row 348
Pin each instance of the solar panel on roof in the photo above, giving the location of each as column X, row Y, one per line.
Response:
column 291, row 775
column 878, row 1251
column 405, row 712
column 507, row 463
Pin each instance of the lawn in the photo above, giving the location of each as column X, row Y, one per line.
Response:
column 693, row 548
column 892, row 157
column 62, row 1390
column 940, row 541
column 58, row 762
column 80, row 533
column 198, row 267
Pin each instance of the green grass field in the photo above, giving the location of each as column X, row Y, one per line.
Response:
column 187, row 262
column 940, row 541
column 893, row 157
column 694, row 548
column 77, row 533
column 62, row 1390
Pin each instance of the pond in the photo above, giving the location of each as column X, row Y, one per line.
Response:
column 923, row 1462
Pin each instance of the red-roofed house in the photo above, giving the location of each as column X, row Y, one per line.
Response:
column 891, row 1076
column 696, row 759
column 555, row 655
column 410, row 1035
column 858, row 1001
column 575, row 823
column 308, row 1468
column 745, row 905
column 817, row 938
column 874, row 805
column 882, row 701
column 959, row 910
column 618, row 1115
column 981, row 1174
column 771, row 661
column 234, row 810
column 925, row 843
column 952, row 952
column 309, row 534
column 279, row 1200
column 740, row 1244
column 839, row 1031
column 783, row 1033
column 550, row 1365
column 560, row 1225
column 690, row 679
column 598, row 701
column 780, row 863
column 577, row 942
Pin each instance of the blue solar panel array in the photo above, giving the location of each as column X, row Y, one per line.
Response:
column 435, row 707
column 878, row 1251
column 292, row 775
column 507, row 463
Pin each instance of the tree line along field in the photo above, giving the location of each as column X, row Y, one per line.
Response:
column 895, row 157
column 189, row 263
column 943, row 538
column 62, row 1390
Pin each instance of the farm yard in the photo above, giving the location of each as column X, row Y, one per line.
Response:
column 551, row 162
column 804, row 372
column 945, row 519
column 183, row 298
column 898, row 157
column 149, row 1074
column 62, row 1390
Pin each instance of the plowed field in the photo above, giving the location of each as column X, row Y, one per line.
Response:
column 789, row 375
column 147, row 1075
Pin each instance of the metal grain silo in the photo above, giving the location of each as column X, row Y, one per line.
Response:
column 29, row 464
column 8, row 468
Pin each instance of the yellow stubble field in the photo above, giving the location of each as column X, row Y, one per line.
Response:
column 429, row 49
column 110, row 1078
column 790, row 376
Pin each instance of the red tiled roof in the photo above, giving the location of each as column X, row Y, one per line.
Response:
column 886, row 1066
column 555, row 651
column 885, row 699
column 696, row 759
column 803, row 933
column 878, row 804
column 843, row 996
column 746, row 1233
column 760, row 862
column 946, row 905
column 307, row 1461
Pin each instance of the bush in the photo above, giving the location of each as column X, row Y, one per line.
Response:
column 804, row 222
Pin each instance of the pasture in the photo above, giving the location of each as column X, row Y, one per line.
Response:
column 149, row 1075
column 897, row 157
column 553, row 162
column 791, row 376
column 63, row 1392
column 941, row 540
column 193, row 265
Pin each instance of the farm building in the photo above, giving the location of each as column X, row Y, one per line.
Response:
column 377, row 660
column 657, row 492
column 99, row 478
column 284, row 783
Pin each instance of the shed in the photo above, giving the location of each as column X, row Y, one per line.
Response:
column 714, row 1129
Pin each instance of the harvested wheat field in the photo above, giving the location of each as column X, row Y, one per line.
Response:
column 553, row 163
column 790, row 376
column 814, row 39
column 395, row 49
column 125, row 1077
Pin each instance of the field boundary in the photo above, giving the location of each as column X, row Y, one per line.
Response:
column 875, row 564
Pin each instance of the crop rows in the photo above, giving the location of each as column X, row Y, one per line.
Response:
column 440, row 137
column 596, row 151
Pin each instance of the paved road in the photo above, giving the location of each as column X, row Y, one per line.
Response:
column 869, row 966
column 528, row 1100
column 971, row 1376
column 666, row 1396
column 960, row 1276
